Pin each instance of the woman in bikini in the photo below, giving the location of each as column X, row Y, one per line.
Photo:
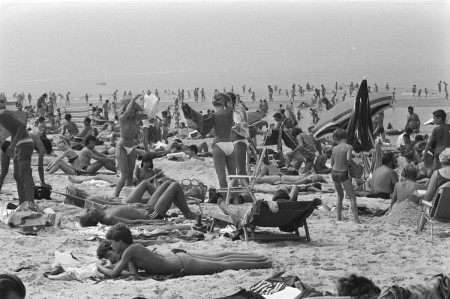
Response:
column 222, row 146
column 136, row 256
column 341, row 158
column 125, row 149
column 145, row 171
column 74, row 166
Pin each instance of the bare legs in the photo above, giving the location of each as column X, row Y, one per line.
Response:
column 167, row 194
column 222, row 164
column 23, row 174
column 126, row 166
column 139, row 191
column 67, row 169
column 100, row 177
column 348, row 187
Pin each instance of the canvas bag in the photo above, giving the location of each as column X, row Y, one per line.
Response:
column 194, row 188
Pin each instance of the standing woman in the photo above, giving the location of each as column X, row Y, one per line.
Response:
column 222, row 146
column 125, row 149
column 239, row 134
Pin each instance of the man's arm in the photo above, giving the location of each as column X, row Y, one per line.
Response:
column 92, row 155
column 113, row 220
column 5, row 160
column 429, row 143
column 41, row 153
column 121, row 265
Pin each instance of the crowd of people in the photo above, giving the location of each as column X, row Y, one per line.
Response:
column 308, row 161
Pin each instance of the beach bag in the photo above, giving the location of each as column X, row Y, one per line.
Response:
column 355, row 171
column 194, row 188
column 42, row 192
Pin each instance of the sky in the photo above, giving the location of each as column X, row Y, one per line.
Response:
column 139, row 45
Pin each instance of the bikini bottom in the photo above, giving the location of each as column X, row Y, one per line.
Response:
column 226, row 147
column 128, row 149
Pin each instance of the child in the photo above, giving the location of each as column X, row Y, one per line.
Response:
column 404, row 189
column 165, row 126
column 341, row 158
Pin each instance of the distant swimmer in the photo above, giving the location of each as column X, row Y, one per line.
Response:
column 439, row 85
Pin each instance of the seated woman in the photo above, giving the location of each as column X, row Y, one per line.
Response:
column 136, row 257
column 425, row 169
column 160, row 202
column 439, row 178
column 74, row 165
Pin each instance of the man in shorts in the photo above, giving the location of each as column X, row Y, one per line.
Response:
column 21, row 149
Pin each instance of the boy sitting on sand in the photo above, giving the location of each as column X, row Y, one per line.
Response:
column 137, row 257
column 404, row 190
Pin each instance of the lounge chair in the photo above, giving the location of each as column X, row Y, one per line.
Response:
column 291, row 215
column 438, row 210
column 246, row 182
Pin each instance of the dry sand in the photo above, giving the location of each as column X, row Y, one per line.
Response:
column 387, row 251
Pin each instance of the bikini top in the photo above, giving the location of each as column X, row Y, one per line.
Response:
column 71, row 160
column 441, row 180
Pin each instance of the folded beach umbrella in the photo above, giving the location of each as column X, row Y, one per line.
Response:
column 360, row 124
column 339, row 115
column 254, row 117
column 151, row 105
column 272, row 138
column 291, row 116
column 376, row 157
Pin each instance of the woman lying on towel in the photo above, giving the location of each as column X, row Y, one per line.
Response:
column 159, row 203
column 136, row 257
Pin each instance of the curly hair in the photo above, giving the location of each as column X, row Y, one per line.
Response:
column 444, row 157
column 120, row 232
column 357, row 287
column 410, row 172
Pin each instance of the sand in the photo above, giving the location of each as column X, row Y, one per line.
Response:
column 384, row 249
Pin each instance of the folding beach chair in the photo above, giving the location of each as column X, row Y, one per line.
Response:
column 247, row 182
column 78, row 114
column 438, row 210
column 289, row 217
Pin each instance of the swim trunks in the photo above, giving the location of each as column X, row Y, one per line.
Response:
column 339, row 176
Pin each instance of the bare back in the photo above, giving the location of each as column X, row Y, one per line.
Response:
column 223, row 122
column 340, row 155
column 151, row 262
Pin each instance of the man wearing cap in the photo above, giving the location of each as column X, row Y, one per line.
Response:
column 21, row 149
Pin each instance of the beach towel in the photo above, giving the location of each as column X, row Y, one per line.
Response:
column 437, row 287
column 205, row 123
column 240, row 120
column 151, row 105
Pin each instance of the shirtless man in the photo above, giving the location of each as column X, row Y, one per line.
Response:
column 412, row 120
column 125, row 149
column 42, row 146
column 137, row 257
column 440, row 136
column 161, row 200
column 21, row 149
column 408, row 145
column 88, row 152
column 384, row 178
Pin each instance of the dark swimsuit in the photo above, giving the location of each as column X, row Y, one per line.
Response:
column 339, row 176
column 441, row 180
column 71, row 160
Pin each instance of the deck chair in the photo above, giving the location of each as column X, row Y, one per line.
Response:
column 291, row 215
column 438, row 210
column 247, row 182
column 78, row 114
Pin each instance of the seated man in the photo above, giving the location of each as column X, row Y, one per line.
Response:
column 320, row 164
column 384, row 178
column 87, row 130
column 88, row 152
column 160, row 202
column 136, row 257
column 408, row 145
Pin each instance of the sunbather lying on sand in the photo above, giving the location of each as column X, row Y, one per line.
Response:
column 136, row 257
column 290, row 179
column 159, row 203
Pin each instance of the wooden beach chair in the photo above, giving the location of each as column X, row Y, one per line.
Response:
column 246, row 182
column 438, row 210
column 290, row 216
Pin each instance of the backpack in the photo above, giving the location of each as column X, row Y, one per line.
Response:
column 42, row 192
